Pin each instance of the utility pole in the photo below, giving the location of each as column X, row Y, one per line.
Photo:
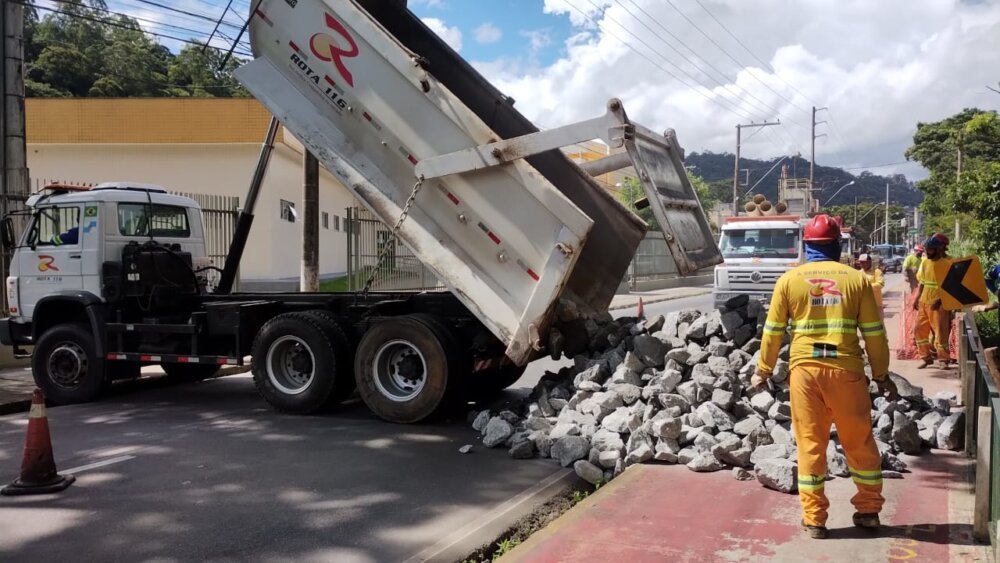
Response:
column 736, row 161
column 812, row 160
column 887, row 212
column 13, row 152
column 958, row 177
column 310, row 223
column 855, row 223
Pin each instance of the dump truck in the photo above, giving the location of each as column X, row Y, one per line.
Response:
column 757, row 249
column 510, row 225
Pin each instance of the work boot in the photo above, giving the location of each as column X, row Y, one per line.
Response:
column 866, row 520
column 816, row 532
column 945, row 364
column 927, row 363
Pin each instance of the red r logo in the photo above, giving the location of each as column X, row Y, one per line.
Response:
column 822, row 286
column 46, row 263
column 326, row 48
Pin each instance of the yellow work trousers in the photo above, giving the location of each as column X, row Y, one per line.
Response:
column 821, row 396
column 934, row 325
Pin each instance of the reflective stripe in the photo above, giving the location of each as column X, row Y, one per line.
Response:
column 930, row 283
column 863, row 477
column 872, row 329
column 823, row 323
column 876, row 324
column 771, row 332
column 923, row 341
column 775, row 326
column 811, row 483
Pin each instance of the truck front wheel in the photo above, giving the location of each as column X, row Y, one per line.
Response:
column 66, row 367
column 404, row 368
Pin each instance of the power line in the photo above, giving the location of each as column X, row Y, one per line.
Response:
column 122, row 14
column 661, row 67
column 201, row 16
column 120, row 26
column 728, row 54
column 742, row 91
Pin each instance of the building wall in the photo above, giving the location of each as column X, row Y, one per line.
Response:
column 273, row 250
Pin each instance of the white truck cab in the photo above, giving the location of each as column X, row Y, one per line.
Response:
column 73, row 231
column 756, row 251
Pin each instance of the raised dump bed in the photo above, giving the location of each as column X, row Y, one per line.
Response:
column 501, row 216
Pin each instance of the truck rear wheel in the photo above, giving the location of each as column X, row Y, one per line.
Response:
column 66, row 367
column 295, row 367
column 343, row 351
column 405, row 368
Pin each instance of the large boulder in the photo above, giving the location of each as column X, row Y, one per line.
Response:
column 652, row 351
column 905, row 434
column 906, row 389
column 588, row 472
column 778, row 474
column 497, row 431
column 715, row 417
column 705, row 462
column 928, row 426
column 568, row 449
column 951, row 433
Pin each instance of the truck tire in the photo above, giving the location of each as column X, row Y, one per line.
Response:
column 66, row 367
column 492, row 381
column 295, row 365
column 343, row 351
column 408, row 368
column 189, row 373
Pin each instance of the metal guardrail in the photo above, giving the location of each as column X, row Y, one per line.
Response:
column 980, row 390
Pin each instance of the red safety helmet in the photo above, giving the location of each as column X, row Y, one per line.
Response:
column 918, row 248
column 937, row 239
column 822, row 228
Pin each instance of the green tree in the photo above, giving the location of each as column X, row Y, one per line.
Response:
column 704, row 191
column 84, row 50
column 975, row 134
column 629, row 193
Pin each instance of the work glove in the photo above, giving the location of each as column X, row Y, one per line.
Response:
column 887, row 387
column 984, row 308
column 759, row 379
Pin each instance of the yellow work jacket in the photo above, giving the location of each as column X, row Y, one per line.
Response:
column 927, row 278
column 825, row 304
column 877, row 279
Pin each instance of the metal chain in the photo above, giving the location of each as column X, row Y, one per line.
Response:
column 383, row 252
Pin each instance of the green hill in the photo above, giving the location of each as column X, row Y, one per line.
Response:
column 717, row 170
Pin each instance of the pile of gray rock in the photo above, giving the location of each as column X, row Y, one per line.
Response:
column 676, row 389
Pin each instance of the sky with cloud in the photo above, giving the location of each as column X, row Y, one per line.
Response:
column 702, row 66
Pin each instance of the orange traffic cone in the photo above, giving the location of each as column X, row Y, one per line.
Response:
column 640, row 313
column 38, row 467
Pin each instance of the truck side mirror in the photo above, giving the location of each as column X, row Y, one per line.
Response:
column 7, row 233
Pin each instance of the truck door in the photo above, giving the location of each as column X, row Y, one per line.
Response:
column 52, row 258
column 658, row 162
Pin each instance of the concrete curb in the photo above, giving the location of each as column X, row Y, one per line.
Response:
column 660, row 299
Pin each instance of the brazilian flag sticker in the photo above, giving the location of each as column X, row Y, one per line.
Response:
column 90, row 211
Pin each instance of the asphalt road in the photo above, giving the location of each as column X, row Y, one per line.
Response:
column 207, row 472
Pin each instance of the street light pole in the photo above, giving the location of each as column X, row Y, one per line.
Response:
column 887, row 212
column 829, row 199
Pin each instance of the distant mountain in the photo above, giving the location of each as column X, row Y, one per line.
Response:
column 716, row 167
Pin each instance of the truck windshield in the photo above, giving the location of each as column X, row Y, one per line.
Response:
column 763, row 243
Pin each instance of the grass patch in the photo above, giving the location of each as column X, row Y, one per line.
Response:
column 341, row 284
column 529, row 524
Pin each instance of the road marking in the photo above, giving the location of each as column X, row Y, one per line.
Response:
column 96, row 464
column 472, row 527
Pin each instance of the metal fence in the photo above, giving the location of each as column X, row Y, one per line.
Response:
column 219, row 214
column 980, row 391
column 401, row 270
column 652, row 261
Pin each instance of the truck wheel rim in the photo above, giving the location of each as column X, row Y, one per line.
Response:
column 290, row 365
column 400, row 370
column 67, row 365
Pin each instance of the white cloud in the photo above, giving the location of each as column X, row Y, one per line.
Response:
column 451, row 35
column 880, row 66
column 488, row 33
column 538, row 39
column 428, row 3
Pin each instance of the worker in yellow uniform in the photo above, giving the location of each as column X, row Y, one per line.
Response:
column 933, row 323
column 874, row 275
column 824, row 304
column 912, row 264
